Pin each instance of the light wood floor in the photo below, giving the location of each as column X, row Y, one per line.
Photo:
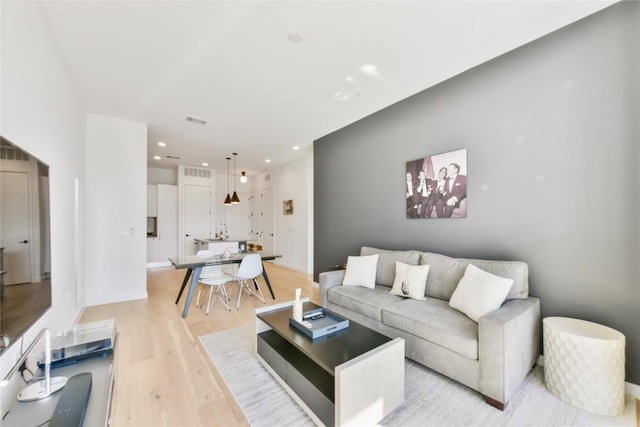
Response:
column 164, row 377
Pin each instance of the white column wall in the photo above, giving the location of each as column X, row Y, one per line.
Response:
column 116, row 210
column 41, row 112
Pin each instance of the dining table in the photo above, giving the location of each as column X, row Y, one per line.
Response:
column 194, row 265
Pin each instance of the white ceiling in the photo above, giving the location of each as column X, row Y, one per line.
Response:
column 232, row 64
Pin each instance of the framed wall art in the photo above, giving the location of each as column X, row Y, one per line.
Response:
column 287, row 207
column 436, row 186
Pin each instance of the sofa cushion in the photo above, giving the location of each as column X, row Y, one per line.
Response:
column 436, row 322
column 386, row 272
column 445, row 273
column 479, row 292
column 361, row 271
column 410, row 280
column 364, row 301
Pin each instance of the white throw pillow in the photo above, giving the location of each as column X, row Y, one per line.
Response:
column 479, row 292
column 410, row 281
column 361, row 271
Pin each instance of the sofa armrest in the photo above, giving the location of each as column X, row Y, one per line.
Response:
column 508, row 347
column 328, row 280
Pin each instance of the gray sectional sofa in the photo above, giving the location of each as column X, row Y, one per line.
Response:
column 492, row 356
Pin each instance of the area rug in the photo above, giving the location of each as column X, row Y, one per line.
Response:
column 431, row 399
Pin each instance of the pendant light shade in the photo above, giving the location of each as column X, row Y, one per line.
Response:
column 234, row 199
column 227, row 200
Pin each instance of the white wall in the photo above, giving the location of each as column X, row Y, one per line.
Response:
column 116, row 210
column 293, row 233
column 162, row 176
column 42, row 113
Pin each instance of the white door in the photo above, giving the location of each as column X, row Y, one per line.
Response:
column 268, row 219
column 196, row 215
column 167, row 222
column 14, row 226
column 238, row 218
column 255, row 217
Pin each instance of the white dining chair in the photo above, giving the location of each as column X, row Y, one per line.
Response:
column 215, row 278
column 217, row 290
column 250, row 268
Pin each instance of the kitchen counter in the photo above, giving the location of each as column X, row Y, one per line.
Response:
column 220, row 240
column 218, row 246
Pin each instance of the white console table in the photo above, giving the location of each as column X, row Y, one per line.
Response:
column 37, row 413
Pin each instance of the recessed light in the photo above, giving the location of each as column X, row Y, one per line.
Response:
column 267, row 160
column 295, row 147
column 157, row 157
column 341, row 96
column 205, row 164
column 370, row 70
column 350, row 79
column 161, row 144
column 294, row 37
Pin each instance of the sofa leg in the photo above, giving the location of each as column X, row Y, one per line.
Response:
column 494, row 403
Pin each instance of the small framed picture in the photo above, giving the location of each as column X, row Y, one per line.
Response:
column 287, row 207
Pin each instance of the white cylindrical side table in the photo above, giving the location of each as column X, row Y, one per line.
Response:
column 584, row 364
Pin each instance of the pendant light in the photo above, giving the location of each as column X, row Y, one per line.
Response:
column 234, row 199
column 227, row 200
column 243, row 177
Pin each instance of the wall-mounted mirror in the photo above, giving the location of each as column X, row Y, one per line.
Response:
column 25, row 249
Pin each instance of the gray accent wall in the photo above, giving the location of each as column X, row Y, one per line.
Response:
column 552, row 132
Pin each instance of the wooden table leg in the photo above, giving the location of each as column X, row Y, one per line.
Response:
column 184, row 282
column 192, row 290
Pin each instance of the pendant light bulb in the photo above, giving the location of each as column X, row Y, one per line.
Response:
column 243, row 177
column 234, row 199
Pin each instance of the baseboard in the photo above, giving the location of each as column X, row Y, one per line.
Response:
column 629, row 388
column 632, row 389
column 279, row 263
column 158, row 264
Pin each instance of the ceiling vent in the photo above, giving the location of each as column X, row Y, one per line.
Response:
column 10, row 152
column 197, row 172
column 196, row 120
column 173, row 157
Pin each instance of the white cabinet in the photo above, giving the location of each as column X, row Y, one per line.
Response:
column 165, row 243
column 196, row 216
column 152, row 198
column 262, row 219
column 167, row 222
column 152, row 249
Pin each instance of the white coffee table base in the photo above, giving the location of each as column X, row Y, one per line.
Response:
column 584, row 364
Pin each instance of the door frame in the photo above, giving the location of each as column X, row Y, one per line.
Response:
column 30, row 167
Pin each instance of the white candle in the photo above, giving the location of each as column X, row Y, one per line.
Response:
column 47, row 347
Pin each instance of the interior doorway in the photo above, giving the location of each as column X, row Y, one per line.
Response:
column 14, row 226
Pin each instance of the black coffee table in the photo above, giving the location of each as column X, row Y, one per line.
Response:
column 355, row 376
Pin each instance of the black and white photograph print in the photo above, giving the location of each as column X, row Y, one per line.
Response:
column 436, row 186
